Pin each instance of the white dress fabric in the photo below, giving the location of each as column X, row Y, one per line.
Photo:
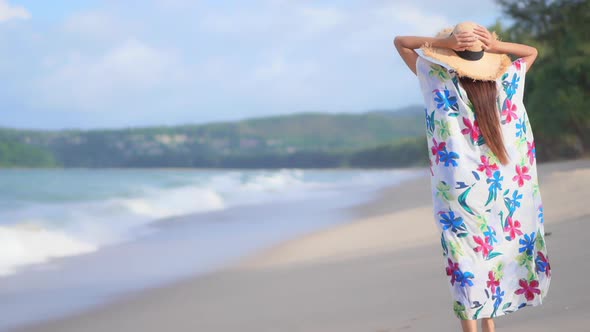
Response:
column 490, row 215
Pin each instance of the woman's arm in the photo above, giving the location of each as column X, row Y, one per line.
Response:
column 526, row 52
column 405, row 45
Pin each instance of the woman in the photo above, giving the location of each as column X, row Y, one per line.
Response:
column 487, row 202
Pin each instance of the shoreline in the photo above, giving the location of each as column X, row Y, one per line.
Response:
column 380, row 272
column 177, row 247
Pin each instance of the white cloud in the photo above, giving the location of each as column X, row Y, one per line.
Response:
column 96, row 28
column 305, row 49
column 289, row 93
column 282, row 18
column 278, row 70
column 237, row 22
column 376, row 27
column 92, row 82
column 316, row 19
column 268, row 71
column 175, row 4
column 198, row 60
column 413, row 18
column 96, row 24
column 8, row 12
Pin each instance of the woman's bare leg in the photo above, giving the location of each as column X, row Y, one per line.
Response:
column 487, row 325
column 469, row 325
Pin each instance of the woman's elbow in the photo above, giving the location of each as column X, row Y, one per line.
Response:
column 400, row 43
column 534, row 54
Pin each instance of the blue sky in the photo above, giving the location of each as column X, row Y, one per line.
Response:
column 115, row 64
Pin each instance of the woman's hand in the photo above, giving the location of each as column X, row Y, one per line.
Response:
column 489, row 43
column 461, row 41
column 406, row 45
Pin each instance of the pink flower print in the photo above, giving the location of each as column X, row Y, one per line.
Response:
column 531, row 151
column 484, row 246
column 451, row 269
column 472, row 129
column 486, row 166
column 542, row 264
column 436, row 148
column 529, row 289
column 510, row 111
column 492, row 282
column 517, row 63
column 521, row 175
column 512, row 228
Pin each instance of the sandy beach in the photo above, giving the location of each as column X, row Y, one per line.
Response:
column 384, row 272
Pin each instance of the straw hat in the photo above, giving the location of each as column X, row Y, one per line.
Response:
column 473, row 62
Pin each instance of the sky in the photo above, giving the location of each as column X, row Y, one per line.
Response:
column 129, row 63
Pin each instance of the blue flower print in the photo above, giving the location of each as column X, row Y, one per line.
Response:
column 464, row 278
column 491, row 233
column 520, row 128
column 498, row 296
column 445, row 101
column 541, row 262
column 429, row 121
column 513, row 203
column 515, row 197
column 542, row 220
column 448, row 157
column 450, row 221
column 528, row 243
column 495, row 184
column 511, row 87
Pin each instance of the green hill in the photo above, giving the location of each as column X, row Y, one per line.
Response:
column 310, row 139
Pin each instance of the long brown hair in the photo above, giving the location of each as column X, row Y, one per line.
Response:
column 483, row 96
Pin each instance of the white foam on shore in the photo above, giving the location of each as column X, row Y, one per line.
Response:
column 25, row 244
column 41, row 230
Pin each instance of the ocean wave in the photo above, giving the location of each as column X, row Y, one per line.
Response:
column 31, row 243
column 40, row 229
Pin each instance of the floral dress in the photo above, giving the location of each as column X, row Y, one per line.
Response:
column 490, row 215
